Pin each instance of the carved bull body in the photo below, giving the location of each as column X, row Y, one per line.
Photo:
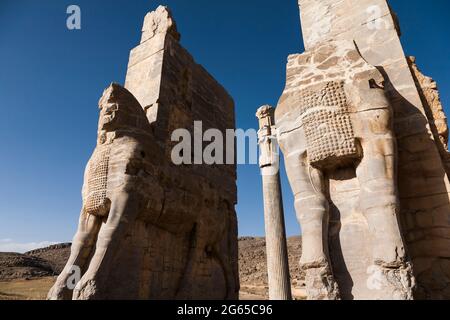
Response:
column 144, row 230
column 334, row 117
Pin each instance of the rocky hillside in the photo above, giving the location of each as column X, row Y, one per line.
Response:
column 55, row 255
column 34, row 264
column 253, row 265
column 20, row 266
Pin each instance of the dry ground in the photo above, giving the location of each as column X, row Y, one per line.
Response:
column 35, row 289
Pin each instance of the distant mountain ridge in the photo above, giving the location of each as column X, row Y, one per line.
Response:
column 49, row 248
column 37, row 263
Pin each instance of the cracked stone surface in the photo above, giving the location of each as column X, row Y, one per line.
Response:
column 150, row 229
column 405, row 254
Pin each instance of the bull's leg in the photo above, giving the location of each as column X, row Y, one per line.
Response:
column 228, row 274
column 380, row 205
column 124, row 211
column 204, row 246
column 82, row 248
column 312, row 209
column 185, row 286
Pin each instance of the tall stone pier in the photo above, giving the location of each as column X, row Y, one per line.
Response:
column 365, row 141
column 276, row 246
column 149, row 227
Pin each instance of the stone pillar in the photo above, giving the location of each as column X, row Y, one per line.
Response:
column 276, row 246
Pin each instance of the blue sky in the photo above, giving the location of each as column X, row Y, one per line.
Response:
column 51, row 79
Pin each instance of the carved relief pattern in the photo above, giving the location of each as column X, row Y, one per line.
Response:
column 97, row 178
column 327, row 125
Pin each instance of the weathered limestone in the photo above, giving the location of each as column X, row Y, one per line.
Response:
column 150, row 229
column 434, row 110
column 360, row 246
column 276, row 246
column 335, row 129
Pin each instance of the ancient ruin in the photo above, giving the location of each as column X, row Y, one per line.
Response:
column 365, row 139
column 335, row 129
column 150, row 229
column 365, row 143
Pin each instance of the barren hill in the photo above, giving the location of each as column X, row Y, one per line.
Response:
column 34, row 264
column 253, row 266
column 20, row 266
column 56, row 255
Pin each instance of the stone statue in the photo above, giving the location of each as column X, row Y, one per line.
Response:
column 113, row 191
column 335, row 123
column 128, row 188
column 150, row 229
column 422, row 159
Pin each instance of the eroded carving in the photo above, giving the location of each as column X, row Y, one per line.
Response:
column 326, row 121
column 334, row 121
column 421, row 133
column 94, row 192
column 150, row 229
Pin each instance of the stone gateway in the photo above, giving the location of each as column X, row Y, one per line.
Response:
column 150, row 229
column 365, row 140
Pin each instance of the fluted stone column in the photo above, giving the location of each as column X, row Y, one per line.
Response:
column 276, row 246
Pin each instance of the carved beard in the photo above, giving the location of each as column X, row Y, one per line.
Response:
column 95, row 201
